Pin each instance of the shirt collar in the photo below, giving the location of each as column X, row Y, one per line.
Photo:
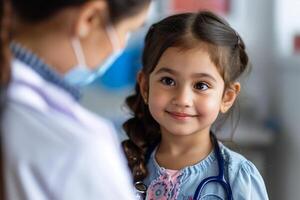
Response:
column 44, row 70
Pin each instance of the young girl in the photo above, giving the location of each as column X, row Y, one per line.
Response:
column 191, row 64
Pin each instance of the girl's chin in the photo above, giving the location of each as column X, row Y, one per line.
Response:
column 180, row 133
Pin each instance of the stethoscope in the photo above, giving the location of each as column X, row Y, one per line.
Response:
column 219, row 179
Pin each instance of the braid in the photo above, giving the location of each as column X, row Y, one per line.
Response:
column 143, row 132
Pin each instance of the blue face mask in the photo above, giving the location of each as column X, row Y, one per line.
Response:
column 81, row 74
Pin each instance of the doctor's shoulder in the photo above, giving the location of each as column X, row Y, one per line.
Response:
column 57, row 150
column 244, row 178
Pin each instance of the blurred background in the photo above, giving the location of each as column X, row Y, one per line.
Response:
column 269, row 129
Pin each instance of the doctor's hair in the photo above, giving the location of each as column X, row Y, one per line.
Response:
column 203, row 30
column 36, row 10
column 4, row 51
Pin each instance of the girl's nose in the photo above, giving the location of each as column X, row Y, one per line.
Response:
column 183, row 97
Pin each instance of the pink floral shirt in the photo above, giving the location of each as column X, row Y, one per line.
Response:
column 165, row 187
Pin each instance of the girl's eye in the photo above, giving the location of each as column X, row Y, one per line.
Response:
column 201, row 86
column 167, row 81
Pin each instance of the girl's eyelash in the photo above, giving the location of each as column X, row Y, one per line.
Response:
column 201, row 84
column 167, row 81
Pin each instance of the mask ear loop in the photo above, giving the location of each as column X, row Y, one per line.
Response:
column 113, row 37
column 78, row 52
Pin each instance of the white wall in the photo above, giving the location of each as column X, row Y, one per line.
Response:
column 287, row 24
column 285, row 160
column 286, row 94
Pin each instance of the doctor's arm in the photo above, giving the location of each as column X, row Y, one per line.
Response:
column 98, row 172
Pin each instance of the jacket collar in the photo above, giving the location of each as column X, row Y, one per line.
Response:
column 42, row 69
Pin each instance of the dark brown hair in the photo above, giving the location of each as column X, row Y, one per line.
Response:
column 36, row 10
column 202, row 30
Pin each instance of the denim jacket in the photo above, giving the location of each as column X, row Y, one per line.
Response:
column 245, row 180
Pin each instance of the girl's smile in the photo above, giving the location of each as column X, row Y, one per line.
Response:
column 181, row 116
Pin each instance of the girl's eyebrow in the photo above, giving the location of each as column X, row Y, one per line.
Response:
column 174, row 72
column 168, row 70
column 204, row 75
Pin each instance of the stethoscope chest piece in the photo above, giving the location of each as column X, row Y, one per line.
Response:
column 141, row 189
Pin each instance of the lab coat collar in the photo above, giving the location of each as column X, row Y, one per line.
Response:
column 45, row 71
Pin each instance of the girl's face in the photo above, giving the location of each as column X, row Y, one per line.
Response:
column 185, row 92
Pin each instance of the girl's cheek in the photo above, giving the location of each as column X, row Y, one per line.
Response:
column 209, row 106
column 157, row 100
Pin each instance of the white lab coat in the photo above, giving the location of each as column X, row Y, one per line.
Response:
column 55, row 149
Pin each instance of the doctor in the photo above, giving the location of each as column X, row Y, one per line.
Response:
column 52, row 148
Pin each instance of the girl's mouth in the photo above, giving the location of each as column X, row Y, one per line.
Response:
column 180, row 115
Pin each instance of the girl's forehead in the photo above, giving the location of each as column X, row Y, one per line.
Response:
column 187, row 61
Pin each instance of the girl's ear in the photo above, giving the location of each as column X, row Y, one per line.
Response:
column 143, row 84
column 230, row 96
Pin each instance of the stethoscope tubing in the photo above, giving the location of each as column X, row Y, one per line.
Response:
column 220, row 178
